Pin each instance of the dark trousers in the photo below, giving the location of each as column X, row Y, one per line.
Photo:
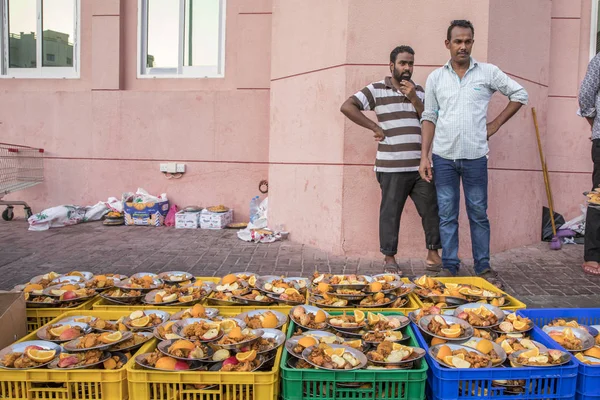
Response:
column 592, row 221
column 395, row 189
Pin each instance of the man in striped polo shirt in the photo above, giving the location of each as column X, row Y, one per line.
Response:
column 398, row 104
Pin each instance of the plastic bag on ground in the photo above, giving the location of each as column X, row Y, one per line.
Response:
column 577, row 224
column 559, row 220
column 66, row 215
column 170, row 218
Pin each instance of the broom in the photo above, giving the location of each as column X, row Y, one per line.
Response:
column 555, row 243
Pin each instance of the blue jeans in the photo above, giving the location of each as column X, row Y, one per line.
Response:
column 447, row 176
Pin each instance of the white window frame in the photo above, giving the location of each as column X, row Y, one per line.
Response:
column 39, row 72
column 181, row 71
column 594, row 30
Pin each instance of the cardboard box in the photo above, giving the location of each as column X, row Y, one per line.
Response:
column 13, row 318
column 187, row 220
column 211, row 220
column 146, row 214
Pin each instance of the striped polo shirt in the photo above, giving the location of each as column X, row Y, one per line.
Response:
column 400, row 151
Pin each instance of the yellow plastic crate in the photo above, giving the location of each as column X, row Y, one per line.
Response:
column 147, row 384
column 514, row 304
column 84, row 384
column 38, row 317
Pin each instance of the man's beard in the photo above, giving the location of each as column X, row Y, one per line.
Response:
column 399, row 77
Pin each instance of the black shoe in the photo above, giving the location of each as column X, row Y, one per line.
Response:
column 492, row 277
column 444, row 273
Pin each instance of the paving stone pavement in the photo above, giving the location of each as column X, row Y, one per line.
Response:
column 534, row 274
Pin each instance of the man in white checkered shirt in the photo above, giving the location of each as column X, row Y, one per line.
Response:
column 455, row 120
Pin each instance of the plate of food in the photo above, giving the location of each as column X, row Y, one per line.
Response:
column 328, row 301
column 537, row 358
column 477, row 293
column 383, row 287
column 80, row 360
column 135, row 342
column 144, row 283
column 160, row 362
column 259, row 319
column 390, row 353
column 459, row 356
column 572, row 339
column 270, row 340
column 348, row 322
column 378, row 300
column 487, row 347
column 480, row 315
column 416, row 315
column 187, row 350
column 97, row 341
column 171, row 277
column 225, row 299
column 237, row 225
column 197, row 311
column 29, row 354
column 198, row 329
column 119, row 296
column 514, row 323
column 381, row 322
column 334, row 357
column 101, row 282
column 309, row 317
column 218, row 209
column 572, row 322
column 236, row 281
column 69, row 292
column 248, row 361
column 254, row 297
column 446, row 327
column 145, row 320
column 296, row 344
column 513, row 342
column 290, row 297
column 278, row 285
column 349, row 282
column 60, row 333
column 376, row 337
column 239, row 338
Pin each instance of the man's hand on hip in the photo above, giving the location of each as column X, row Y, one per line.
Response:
column 492, row 128
column 425, row 170
column 378, row 134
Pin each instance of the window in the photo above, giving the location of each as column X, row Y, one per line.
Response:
column 181, row 38
column 23, row 23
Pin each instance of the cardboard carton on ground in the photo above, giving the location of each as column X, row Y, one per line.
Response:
column 13, row 318
column 187, row 220
column 146, row 214
column 211, row 220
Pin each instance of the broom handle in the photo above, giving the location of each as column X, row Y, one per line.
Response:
column 544, row 171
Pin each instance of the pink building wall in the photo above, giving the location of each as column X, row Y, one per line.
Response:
column 289, row 66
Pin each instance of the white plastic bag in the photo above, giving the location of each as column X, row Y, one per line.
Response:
column 66, row 215
column 261, row 222
column 577, row 224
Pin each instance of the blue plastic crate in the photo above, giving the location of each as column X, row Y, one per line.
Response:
column 588, row 380
column 473, row 384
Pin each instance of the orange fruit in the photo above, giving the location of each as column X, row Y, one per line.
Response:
column 291, row 291
column 320, row 317
column 227, row 325
column 158, row 298
column 75, row 273
column 198, row 283
column 147, row 278
column 100, row 277
column 485, row 346
column 593, row 352
column 69, row 287
column 59, row 330
column 141, row 322
column 236, row 333
column 355, row 344
column 246, row 356
column 228, row 279
column 372, row 318
column 110, row 364
column 378, row 296
column 435, row 341
column 307, row 341
column 166, row 363
column 530, row 353
column 169, row 298
column 451, row 332
column 330, row 351
column 359, row 316
column 375, row 286
column 443, row 352
column 183, row 344
column 519, row 325
column 33, row 286
column 40, row 356
column 185, row 299
column 270, row 320
column 198, row 310
column 506, row 347
column 110, row 337
column 322, row 287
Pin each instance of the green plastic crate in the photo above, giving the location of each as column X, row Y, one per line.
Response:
column 310, row 384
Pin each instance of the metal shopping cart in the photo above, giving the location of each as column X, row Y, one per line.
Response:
column 20, row 167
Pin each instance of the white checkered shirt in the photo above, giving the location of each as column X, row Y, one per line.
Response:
column 458, row 107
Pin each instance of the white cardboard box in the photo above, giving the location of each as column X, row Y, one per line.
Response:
column 187, row 220
column 211, row 220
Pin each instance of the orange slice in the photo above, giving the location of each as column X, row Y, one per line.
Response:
column 291, row 291
column 530, row 353
column 58, row 330
column 355, row 344
column 444, row 352
column 372, row 318
column 185, row 299
column 111, row 337
column 41, row 356
column 359, row 316
column 506, row 347
column 330, row 351
column 227, row 324
column 246, row 356
column 519, row 325
column 140, row 322
column 183, row 344
column 451, row 332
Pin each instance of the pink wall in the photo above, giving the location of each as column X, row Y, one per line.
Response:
column 289, row 66
column 107, row 132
